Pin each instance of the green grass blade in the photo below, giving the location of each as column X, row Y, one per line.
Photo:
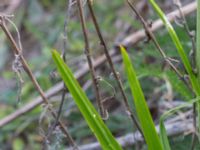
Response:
column 96, row 124
column 175, row 39
column 163, row 137
column 142, row 110
column 163, row 134
column 194, row 79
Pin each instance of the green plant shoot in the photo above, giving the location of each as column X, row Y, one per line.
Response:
column 147, row 125
column 93, row 119
column 176, row 41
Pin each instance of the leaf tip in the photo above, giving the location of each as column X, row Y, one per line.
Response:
column 122, row 48
column 54, row 51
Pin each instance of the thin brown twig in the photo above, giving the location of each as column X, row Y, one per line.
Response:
column 50, row 93
column 187, row 29
column 18, row 51
column 116, row 75
column 131, row 39
column 194, row 136
column 65, row 39
column 151, row 36
column 88, row 55
column 192, row 38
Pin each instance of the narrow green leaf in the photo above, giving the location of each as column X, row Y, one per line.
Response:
column 176, row 41
column 194, row 79
column 142, row 110
column 178, row 85
column 96, row 124
column 163, row 136
column 163, row 133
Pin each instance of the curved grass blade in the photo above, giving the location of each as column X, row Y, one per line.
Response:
column 93, row 119
column 176, row 41
column 194, row 79
column 142, row 110
column 163, row 137
column 163, row 134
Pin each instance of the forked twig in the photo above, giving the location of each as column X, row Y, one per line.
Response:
column 151, row 36
column 187, row 29
column 68, row 10
column 109, row 59
column 18, row 51
column 88, row 55
column 193, row 61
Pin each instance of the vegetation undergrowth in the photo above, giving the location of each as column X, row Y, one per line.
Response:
column 154, row 89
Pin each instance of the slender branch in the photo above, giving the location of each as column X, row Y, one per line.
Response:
column 109, row 59
column 64, row 58
column 152, row 37
column 189, row 33
column 193, row 61
column 88, row 55
column 132, row 39
column 198, row 39
column 18, row 51
column 194, row 136
column 51, row 92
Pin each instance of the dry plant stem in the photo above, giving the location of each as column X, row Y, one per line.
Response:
column 60, row 106
column 106, row 51
column 194, row 136
column 88, row 55
column 132, row 39
column 52, row 128
column 50, row 93
column 153, row 38
column 191, row 36
column 17, row 51
column 65, row 38
column 64, row 58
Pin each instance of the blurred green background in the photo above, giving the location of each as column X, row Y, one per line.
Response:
column 41, row 25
